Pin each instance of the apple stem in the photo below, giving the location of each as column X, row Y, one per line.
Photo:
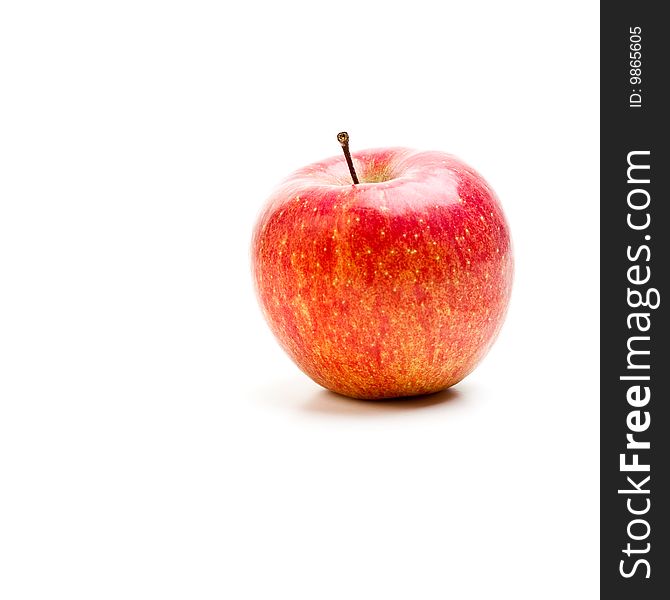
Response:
column 343, row 138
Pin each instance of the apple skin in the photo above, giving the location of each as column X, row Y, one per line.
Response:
column 393, row 287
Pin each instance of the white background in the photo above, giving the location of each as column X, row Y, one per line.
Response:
column 155, row 442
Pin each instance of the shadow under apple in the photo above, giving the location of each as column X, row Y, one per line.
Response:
column 304, row 396
column 325, row 402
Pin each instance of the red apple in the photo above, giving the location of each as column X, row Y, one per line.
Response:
column 395, row 286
